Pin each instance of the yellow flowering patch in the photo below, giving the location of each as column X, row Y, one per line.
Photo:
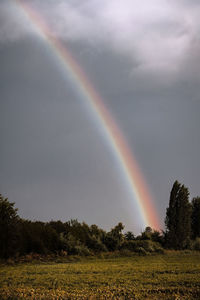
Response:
column 169, row 276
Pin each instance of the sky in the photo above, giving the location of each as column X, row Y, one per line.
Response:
column 142, row 57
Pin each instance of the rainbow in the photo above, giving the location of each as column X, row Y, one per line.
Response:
column 119, row 146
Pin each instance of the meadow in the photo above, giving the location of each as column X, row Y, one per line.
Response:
column 175, row 275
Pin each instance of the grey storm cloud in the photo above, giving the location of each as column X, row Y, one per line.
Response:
column 156, row 33
column 143, row 58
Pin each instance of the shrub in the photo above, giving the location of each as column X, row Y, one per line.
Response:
column 126, row 252
column 196, row 244
column 95, row 244
column 141, row 251
column 81, row 250
column 147, row 245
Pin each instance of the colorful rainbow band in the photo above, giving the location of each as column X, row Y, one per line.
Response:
column 125, row 158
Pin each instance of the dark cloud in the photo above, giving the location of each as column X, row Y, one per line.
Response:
column 55, row 161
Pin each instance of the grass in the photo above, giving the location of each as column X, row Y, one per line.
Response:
column 168, row 276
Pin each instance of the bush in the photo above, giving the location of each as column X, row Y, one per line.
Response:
column 147, row 245
column 196, row 244
column 141, row 251
column 126, row 252
column 95, row 244
column 81, row 250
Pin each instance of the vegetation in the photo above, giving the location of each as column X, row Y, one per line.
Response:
column 19, row 237
column 169, row 276
column 8, row 228
column 195, row 217
column 178, row 218
column 119, row 265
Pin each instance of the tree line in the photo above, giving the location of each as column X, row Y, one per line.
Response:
column 19, row 237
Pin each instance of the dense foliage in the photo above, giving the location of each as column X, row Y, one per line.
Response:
column 19, row 237
column 196, row 217
column 178, row 217
column 8, row 228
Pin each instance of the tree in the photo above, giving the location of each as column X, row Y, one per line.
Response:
column 147, row 233
column 129, row 236
column 114, row 238
column 157, row 237
column 195, row 220
column 8, row 228
column 178, row 217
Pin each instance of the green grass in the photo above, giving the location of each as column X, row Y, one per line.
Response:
column 167, row 276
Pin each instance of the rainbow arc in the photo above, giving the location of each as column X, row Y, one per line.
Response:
column 118, row 144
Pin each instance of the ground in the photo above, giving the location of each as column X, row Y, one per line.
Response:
column 175, row 275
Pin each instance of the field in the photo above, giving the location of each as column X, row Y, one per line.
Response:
column 167, row 276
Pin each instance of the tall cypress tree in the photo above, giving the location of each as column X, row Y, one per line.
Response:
column 171, row 216
column 178, row 217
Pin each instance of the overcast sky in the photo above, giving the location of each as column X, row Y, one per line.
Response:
column 143, row 57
